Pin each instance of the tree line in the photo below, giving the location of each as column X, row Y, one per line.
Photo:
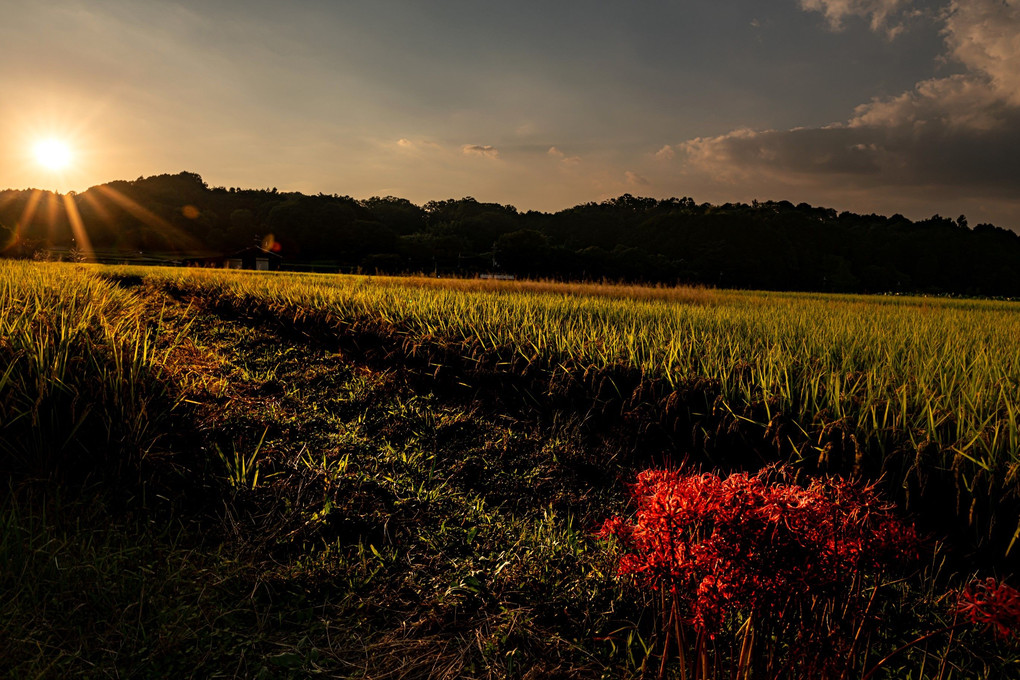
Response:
column 767, row 245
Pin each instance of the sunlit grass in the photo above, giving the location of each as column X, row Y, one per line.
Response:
column 890, row 367
column 343, row 477
column 79, row 370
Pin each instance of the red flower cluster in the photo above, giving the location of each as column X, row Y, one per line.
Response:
column 993, row 605
column 745, row 543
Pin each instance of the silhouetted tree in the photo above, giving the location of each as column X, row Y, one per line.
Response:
column 522, row 252
column 764, row 244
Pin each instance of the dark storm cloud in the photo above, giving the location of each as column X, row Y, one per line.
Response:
column 930, row 153
column 960, row 132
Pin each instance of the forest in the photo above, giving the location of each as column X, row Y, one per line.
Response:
column 773, row 245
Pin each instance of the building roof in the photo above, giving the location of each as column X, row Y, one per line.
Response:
column 257, row 251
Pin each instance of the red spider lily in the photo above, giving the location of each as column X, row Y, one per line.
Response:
column 993, row 605
column 987, row 603
column 745, row 544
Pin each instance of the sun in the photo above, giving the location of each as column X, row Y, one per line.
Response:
column 52, row 154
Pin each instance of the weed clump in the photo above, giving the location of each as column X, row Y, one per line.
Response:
column 993, row 605
column 751, row 558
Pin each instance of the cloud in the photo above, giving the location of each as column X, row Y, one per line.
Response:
column 486, row 150
column 955, row 103
column 666, row 153
column 562, row 157
column 958, row 134
column 928, row 155
column 984, row 35
column 882, row 15
column 635, row 180
column 406, row 144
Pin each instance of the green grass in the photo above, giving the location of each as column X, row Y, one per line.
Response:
column 850, row 384
column 925, row 368
column 81, row 372
column 304, row 487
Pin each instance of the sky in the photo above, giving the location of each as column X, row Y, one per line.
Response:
column 887, row 106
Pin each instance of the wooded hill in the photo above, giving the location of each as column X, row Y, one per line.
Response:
column 767, row 245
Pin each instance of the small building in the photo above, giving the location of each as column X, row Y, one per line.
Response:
column 252, row 257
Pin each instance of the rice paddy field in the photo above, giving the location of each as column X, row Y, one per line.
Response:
column 247, row 474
